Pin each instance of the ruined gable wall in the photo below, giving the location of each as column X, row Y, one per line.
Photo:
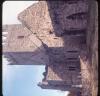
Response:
column 21, row 47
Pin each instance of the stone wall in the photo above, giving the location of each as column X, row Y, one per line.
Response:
column 92, row 43
column 21, row 47
column 65, row 74
column 54, row 33
column 89, row 60
column 68, row 16
column 46, row 85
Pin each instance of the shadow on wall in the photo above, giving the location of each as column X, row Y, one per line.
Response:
column 69, row 20
column 37, row 57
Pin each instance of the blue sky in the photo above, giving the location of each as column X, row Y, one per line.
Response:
column 21, row 80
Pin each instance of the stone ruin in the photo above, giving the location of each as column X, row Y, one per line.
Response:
column 52, row 33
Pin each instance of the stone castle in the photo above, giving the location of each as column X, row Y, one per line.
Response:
column 52, row 33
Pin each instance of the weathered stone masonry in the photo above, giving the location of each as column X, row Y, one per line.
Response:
column 52, row 33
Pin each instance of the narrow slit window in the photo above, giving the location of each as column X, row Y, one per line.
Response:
column 72, row 58
column 74, row 32
column 72, row 2
column 81, row 15
column 20, row 37
column 72, row 68
column 72, row 51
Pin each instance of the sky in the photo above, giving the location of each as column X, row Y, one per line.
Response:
column 22, row 80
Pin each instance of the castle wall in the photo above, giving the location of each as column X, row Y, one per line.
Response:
column 21, row 47
column 46, row 85
column 66, row 74
column 54, row 34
